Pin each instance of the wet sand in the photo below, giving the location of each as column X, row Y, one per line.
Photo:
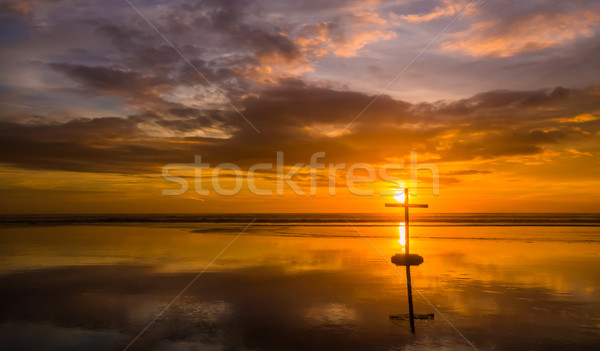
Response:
column 281, row 287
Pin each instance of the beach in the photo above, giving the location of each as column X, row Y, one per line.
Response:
column 298, row 282
column 300, row 175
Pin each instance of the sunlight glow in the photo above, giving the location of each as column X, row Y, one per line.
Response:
column 402, row 233
column 399, row 196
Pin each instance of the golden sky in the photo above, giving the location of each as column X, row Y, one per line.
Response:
column 502, row 97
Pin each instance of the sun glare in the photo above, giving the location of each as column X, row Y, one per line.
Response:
column 399, row 196
column 402, row 233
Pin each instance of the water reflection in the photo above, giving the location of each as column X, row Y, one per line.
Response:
column 331, row 314
column 402, row 232
column 97, row 287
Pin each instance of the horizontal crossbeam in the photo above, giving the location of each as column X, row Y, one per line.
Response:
column 405, row 205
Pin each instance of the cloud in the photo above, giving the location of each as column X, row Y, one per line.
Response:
column 257, row 56
column 505, row 143
column 19, row 6
column 578, row 153
column 533, row 31
column 586, row 117
column 486, row 126
column 447, row 8
column 113, row 79
column 501, row 29
column 345, row 36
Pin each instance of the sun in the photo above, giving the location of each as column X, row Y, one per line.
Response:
column 399, row 195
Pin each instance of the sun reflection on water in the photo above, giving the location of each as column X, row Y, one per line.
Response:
column 402, row 233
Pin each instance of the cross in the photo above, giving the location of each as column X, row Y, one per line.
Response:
column 407, row 259
column 406, row 206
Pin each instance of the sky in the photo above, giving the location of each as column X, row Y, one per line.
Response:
column 101, row 98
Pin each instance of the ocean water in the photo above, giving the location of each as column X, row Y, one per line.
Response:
column 298, row 282
column 419, row 219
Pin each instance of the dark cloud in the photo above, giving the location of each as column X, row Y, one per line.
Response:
column 249, row 52
column 299, row 105
column 505, row 108
column 300, row 119
column 124, row 38
column 509, row 143
column 107, row 145
column 112, row 79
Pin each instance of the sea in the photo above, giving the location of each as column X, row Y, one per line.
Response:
column 488, row 281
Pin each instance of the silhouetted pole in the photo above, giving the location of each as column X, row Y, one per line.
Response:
column 408, row 280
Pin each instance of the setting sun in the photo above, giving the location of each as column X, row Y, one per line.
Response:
column 399, row 196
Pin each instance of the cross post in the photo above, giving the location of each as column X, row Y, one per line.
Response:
column 407, row 259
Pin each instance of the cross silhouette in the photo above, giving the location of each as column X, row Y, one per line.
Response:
column 407, row 259
column 406, row 206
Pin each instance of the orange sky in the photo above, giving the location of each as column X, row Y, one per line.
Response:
column 503, row 98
